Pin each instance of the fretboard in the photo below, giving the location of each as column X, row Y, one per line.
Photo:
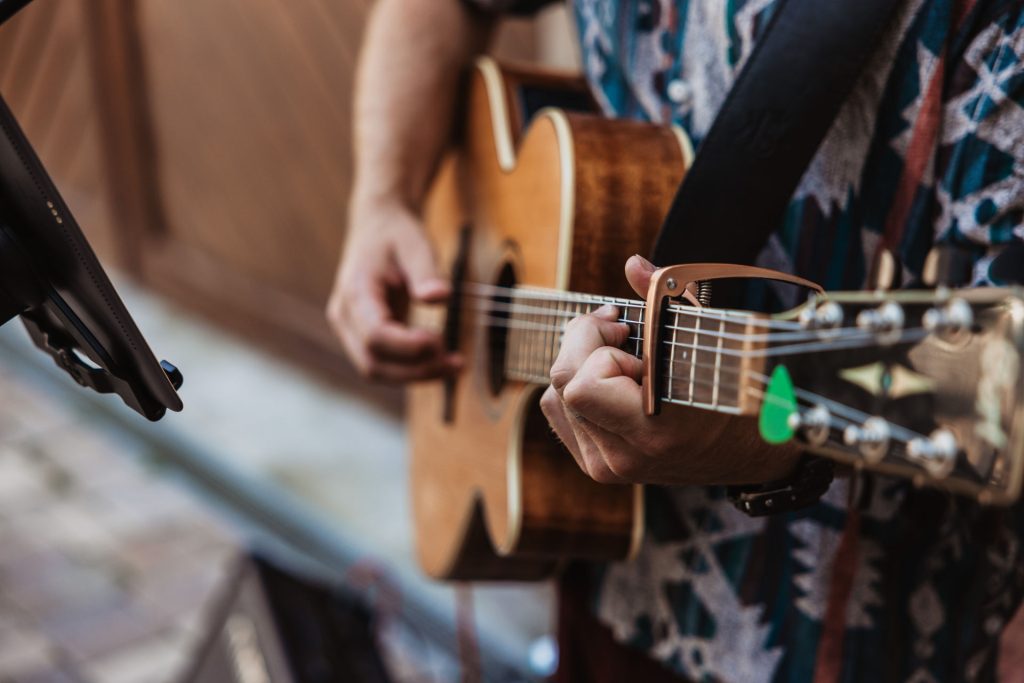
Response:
column 702, row 349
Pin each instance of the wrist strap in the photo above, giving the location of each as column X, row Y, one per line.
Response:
column 808, row 484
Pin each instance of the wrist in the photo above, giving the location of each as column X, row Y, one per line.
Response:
column 371, row 197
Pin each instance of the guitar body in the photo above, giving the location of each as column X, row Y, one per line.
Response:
column 561, row 204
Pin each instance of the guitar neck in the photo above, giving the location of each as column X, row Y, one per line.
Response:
column 915, row 383
column 707, row 357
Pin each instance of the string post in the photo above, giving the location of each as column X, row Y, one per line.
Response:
column 885, row 322
column 872, row 438
column 826, row 316
column 937, row 454
column 949, row 320
column 814, row 424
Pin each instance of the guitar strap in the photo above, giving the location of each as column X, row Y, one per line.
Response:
column 772, row 122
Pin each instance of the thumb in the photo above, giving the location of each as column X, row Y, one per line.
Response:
column 415, row 257
column 638, row 274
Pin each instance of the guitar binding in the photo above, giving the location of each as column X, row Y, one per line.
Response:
column 497, row 330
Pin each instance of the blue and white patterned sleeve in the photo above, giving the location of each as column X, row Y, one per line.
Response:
column 979, row 165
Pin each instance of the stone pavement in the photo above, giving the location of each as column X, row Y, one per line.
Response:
column 105, row 567
column 84, row 487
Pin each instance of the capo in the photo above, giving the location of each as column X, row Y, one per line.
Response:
column 672, row 283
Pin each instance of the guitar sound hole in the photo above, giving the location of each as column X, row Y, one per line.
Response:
column 497, row 329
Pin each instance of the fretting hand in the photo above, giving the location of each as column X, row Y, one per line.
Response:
column 594, row 404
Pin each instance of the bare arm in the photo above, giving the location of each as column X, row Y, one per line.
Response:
column 412, row 58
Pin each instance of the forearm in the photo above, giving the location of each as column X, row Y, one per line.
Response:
column 413, row 56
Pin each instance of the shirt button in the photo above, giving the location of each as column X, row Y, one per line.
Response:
column 679, row 91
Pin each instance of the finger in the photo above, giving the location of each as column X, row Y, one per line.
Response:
column 553, row 409
column 584, row 449
column 391, row 341
column 402, row 373
column 416, row 261
column 606, row 392
column 368, row 321
column 582, row 336
column 602, row 452
column 595, row 460
column 638, row 274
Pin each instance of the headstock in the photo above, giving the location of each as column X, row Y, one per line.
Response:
column 920, row 384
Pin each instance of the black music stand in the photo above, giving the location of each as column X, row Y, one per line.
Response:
column 50, row 277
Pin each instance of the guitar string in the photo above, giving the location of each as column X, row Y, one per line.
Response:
column 688, row 364
column 816, row 335
column 844, row 415
column 852, row 414
column 807, row 396
column 708, row 314
column 517, row 306
column 861, row 340
column 514, row 293
column 738, row 317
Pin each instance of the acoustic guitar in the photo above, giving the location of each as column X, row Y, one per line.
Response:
column 534, row 211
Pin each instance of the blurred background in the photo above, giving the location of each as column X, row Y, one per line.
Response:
column 204, row 146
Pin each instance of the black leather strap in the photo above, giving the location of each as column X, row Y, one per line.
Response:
column 769, row 128
column 809, row 482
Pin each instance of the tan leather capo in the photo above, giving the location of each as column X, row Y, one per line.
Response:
column 671, row 282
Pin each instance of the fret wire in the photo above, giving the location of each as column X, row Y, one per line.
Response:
column 556, row 340
column 522, row 342
column 517, row 352
column 510, row 339
column 693, row 358
column 672, row 362
column 531, row 348
column 523, row 332
column 545, row 340
column 718, row 363
column 556, row 337
column 639, row 320
column 535, row 345
column 550, row 352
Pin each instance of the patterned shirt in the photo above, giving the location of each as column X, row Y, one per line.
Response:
column 878, row 581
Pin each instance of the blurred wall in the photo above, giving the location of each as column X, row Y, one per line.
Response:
column 205, row 145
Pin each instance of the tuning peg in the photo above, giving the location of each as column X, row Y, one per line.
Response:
column 814, row 424
column 949, row 320
column 872, row 438
column 827, row 315
column 937, row 454
column 886, row 321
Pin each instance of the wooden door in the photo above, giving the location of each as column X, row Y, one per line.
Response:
column 52, row 93
column 218, row 132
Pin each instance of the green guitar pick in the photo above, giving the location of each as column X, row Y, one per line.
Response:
column 778, row 406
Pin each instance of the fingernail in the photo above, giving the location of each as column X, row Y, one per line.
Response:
column 431, row 289
column 607, row 311
column 644, row 262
